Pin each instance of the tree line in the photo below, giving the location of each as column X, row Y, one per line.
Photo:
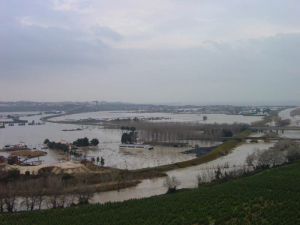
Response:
column 283, row 151
column 80, row 142
column 51, row 191
column 180, row 131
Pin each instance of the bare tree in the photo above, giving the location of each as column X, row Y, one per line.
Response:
column 276, row 156
column 171, row 183
column 263, row 158
column 199, row 179
column 55, row 187
column 293, row 153
column 11, row 196
column 2, row 196
column 30, row 189
column 40, row 192
column 251, row 159
column 283, row 145
column 84, row 191
column 280, row 122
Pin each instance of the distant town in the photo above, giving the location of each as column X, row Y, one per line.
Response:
column 77, row 107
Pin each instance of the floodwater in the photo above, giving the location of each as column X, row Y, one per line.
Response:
column 286, row 114
column 186, row 176
column 146, row 188
column 212, row 118
column 109, row 139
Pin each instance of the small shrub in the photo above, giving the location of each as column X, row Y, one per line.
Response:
column 14, row 173
column 67, row 176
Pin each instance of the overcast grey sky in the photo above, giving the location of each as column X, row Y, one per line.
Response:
column 189, row 51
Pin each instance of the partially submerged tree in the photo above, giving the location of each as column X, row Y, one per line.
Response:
column 55, row 188
column 30, row 188
column 84, row 193
column 266, row 158
column 171, row 183
column 82, row 142
column 293, row 153
column 94, row 141
column 251, row 159
column 2, row 197
column 280, row 122
column 10, row 196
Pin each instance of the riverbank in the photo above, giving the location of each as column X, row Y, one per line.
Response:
column 251, row 199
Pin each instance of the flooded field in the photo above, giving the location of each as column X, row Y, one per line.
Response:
column 33, row 136
column 212, row 118
column 108, row 149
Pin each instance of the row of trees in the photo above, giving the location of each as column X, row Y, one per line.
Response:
column 283, row 151
column 280, row 122
column 41, row 193
column 181, row 131
column 81, row 142
column 132, row 129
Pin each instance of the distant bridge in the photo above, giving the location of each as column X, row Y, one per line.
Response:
column 273, row 128
column 265, row 139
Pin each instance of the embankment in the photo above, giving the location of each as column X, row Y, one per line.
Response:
column 221, row 150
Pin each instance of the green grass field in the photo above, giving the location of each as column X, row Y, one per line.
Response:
column 269, row 197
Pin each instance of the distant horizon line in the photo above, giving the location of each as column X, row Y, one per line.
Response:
column 181, row 103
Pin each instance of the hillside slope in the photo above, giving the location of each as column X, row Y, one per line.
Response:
column 270, row 197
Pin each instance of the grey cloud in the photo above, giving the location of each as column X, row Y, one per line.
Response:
column 34, row 45
column 261, row 68
column 106, row 32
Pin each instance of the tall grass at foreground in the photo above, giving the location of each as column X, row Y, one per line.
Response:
column 269, row 197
